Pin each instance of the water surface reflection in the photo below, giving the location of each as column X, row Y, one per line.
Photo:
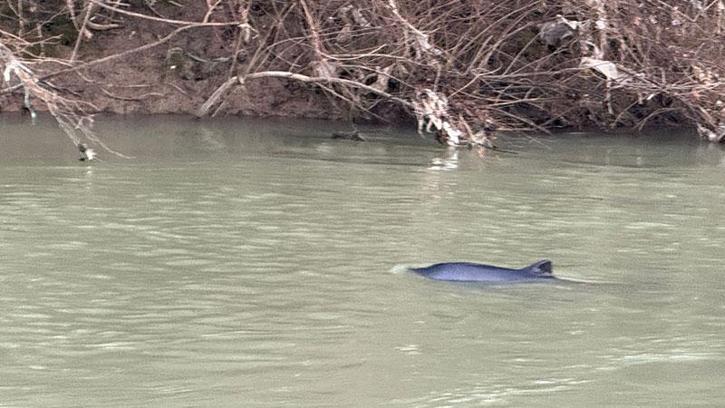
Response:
column 245, row 263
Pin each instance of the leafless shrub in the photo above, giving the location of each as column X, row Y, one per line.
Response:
column 461, row 68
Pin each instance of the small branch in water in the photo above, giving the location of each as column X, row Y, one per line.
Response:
column 87, row 154
column 69, row 113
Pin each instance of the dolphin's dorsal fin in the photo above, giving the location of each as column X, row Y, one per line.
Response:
column 542, row 267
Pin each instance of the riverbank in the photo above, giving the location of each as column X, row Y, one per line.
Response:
column 461, row 72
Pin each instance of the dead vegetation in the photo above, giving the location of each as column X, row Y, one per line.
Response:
column 462, row 69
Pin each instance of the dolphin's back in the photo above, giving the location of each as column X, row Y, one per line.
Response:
column 473, row 272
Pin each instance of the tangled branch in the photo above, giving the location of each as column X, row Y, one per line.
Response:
column 459, row 69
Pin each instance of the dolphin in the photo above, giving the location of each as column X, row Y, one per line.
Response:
column 473, row 272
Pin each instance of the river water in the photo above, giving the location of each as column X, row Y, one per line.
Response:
column 239, row 263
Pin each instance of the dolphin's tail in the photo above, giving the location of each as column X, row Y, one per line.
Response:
column 542, row 267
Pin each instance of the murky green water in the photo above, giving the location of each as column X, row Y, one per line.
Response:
column 237, row 264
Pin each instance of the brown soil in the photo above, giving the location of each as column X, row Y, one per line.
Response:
column 145, row 83
column 461, row 69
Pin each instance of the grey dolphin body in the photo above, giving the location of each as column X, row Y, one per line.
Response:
column 473, row 272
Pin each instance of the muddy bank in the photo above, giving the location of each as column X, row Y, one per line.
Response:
column 460, row 70
column 175, row 76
